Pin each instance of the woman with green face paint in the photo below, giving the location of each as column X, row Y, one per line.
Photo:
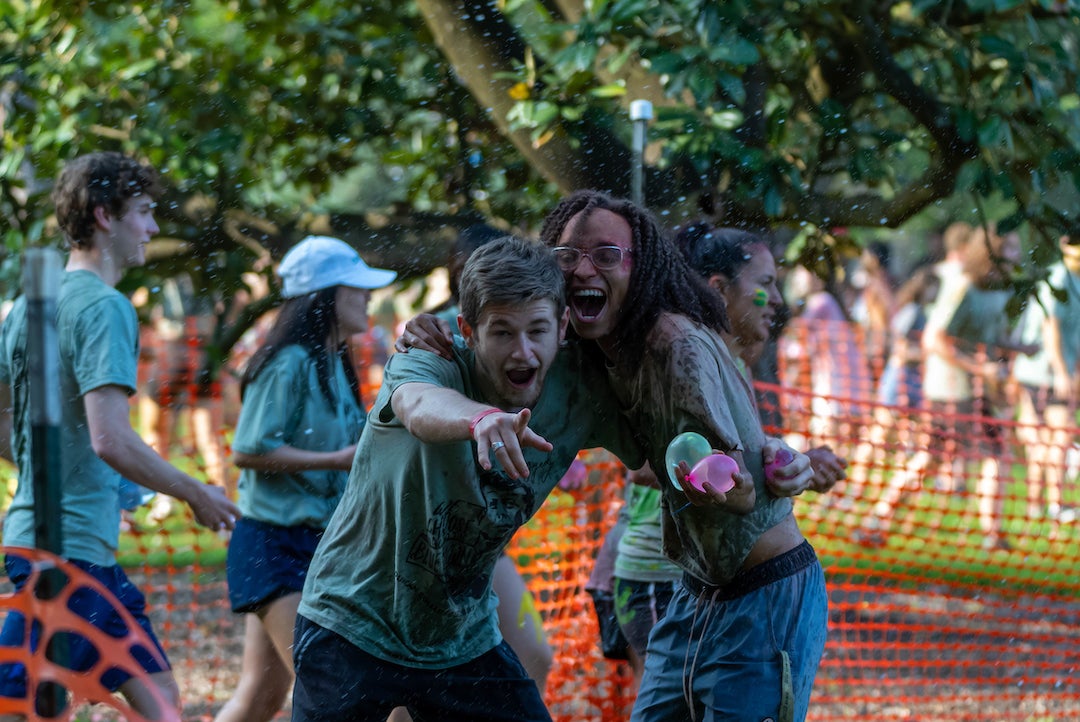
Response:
column 740, row 266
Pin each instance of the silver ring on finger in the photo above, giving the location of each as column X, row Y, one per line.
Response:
column 497, row 445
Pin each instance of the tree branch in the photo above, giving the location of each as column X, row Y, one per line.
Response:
column 474, row 47
column 897, row 82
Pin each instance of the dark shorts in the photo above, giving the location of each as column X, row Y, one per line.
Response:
column 338, row 682
column 266, row 562
column 82, row 653
column 638, row 607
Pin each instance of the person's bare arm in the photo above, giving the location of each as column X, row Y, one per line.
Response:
column 435, row 414
column 936, row 341
column 119, row 446
column 1063, row 383
column 645, row 476
column 291, row 459
column 6, row 412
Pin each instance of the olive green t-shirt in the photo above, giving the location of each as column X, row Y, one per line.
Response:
column 404, row 568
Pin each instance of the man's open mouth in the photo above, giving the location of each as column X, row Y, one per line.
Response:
column 521, row 377
column 588, row 303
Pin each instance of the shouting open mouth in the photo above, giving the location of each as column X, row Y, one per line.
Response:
column 588, row 303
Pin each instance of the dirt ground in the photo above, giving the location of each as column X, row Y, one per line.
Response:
column 923, row 655
column 914, row 656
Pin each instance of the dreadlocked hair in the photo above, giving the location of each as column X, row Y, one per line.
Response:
column 660, row 278
column 306, row 321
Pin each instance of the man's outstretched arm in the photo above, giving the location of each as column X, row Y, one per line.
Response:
column 435, row 414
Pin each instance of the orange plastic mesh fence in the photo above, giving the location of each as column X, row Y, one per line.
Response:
column 954, row 595
column 45, row 616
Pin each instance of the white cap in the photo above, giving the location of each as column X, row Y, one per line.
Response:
column 319, row 262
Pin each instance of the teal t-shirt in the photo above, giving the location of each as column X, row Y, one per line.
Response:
column 284, row 405
column 980, row 319
column 403, row 571
column 688, row 381
column 98, row 336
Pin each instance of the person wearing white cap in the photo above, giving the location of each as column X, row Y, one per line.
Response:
column 295, row 440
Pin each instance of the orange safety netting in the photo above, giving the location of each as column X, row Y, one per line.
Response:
column 42, row 607
column 927, row 620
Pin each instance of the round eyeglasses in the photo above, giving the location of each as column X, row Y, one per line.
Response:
column 603, row 258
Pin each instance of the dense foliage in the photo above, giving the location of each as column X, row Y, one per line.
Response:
column 393, row 124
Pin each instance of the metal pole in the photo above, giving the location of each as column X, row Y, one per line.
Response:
column 641, row 112
column 41, row 283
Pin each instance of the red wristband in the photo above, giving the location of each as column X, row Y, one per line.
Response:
column 476, row 420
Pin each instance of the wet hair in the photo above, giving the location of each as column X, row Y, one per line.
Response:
column 660, row 278
column 306, row 321
column 107, row 179
column 510, row 271
column 711, row 251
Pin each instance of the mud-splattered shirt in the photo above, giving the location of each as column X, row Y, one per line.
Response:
column 404, row 569
column 688, row 381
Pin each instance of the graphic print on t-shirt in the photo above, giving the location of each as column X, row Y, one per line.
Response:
column 463, row 539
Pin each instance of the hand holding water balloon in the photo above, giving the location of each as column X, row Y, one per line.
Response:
column 828, row 468
column 714, row 477
column 575, row 477
column 787, row 472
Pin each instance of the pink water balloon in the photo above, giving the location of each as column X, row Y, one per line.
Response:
column 783, row 458
column 717, row 469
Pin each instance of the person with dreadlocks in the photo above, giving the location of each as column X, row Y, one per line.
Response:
column 295, row 440
column 751, row 610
